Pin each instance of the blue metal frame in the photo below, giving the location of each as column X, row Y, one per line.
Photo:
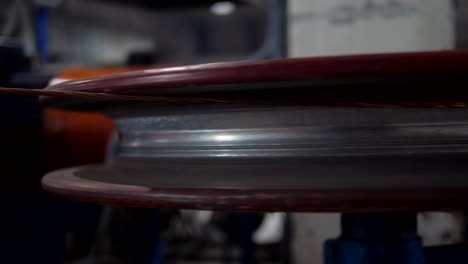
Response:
column 387, row 238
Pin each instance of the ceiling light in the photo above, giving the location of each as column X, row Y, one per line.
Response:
column 223, row 8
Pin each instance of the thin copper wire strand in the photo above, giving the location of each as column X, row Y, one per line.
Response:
column 123, row 97
column 200, row 100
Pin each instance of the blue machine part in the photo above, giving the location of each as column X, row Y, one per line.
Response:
column 387, row 238
column 354, row 252
column 42, row 34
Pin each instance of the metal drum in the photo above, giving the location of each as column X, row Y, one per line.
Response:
column 352, row 133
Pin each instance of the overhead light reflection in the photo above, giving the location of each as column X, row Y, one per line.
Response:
column 224, row 137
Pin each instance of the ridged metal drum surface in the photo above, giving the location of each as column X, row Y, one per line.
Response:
column 405, row 150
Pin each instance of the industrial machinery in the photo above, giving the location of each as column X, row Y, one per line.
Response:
column 378, row 137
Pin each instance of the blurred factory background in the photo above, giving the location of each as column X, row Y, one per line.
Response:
column 45, row 41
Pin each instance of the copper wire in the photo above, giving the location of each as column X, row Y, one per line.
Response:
column 202, row 100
